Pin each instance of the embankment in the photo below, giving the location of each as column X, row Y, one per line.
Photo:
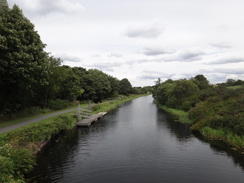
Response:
column 19, row 147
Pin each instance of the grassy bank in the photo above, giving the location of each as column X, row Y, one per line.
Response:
column 221, row 134
column 233, row 140
column 225, row 135
column 113, row 104
column 178, row 115
column 19, row 147
column 31, row 113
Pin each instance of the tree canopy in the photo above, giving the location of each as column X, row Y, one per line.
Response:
column 23, row 61
column 31, row 77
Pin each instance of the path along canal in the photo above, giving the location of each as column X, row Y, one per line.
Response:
column 137, row 143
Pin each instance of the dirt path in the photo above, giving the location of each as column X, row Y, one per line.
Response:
column 30, row 121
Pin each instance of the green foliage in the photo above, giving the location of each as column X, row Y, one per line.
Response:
column 178, row 115
column 181, row 94
column 23, row 63
column 97, row 85
column 125, row 87
column 224, row 135
column 15, row 162
column 38, row 132
column 210, row 108
column 7, row 169
column 110, row 105
column 23, row 160
column 58, row 104
column 18, row 146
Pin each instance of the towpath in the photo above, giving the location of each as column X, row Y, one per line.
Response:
column 34, row 120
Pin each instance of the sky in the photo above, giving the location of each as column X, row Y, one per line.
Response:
column 143, row 40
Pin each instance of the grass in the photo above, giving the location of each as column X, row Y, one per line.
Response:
column 113, row 104
column 19, row 146
column 18, row 117
column 224, row 135
column 235, row 87
column 179, row 115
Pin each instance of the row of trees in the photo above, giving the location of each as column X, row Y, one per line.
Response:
column 216, row 106
column 31, row 77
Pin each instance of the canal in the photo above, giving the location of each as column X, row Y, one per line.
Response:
column 137, row 143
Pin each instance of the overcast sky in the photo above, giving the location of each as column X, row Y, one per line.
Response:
column 143, row 40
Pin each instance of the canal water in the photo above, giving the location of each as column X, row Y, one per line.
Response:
column 137, row 143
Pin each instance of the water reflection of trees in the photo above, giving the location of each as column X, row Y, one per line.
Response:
column 181, row 131
column 63, row 150
column 221, row 148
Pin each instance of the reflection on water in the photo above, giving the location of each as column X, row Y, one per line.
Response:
column 136, row 143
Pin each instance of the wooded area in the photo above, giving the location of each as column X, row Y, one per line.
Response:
column 32, row 77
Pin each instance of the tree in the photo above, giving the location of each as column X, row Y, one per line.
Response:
column 125, row 87
column 23, row 61
column 114, row 82
column 201, row 82
column 97, row 86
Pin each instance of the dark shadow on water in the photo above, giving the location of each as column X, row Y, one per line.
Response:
column 66, row 145
column 181, row 131
column 221, row 148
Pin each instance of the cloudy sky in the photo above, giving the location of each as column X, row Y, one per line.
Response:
column 143, row 40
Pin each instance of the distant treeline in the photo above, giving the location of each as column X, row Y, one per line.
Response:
column 31, row 77
column 217, row 111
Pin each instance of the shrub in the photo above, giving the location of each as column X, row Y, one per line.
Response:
column 23, row 160
column 58, row 104
column 7, row 169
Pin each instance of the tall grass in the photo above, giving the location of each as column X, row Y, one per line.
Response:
column 113, row 104
column 17, row 147
column 178, row 115
column 224, row 135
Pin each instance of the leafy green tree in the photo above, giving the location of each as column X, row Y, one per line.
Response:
column 125, row 87
column 67, row 84
column 201, row 82
column 3, row 6
column 23, row 61
column 97, row 86
column 114, row 82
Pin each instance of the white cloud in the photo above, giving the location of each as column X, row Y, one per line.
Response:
column 45, row 7
column 68, row 58
column 221, row 45
column 115, row 55
column 154, row 51
column 191, row 55
column 229, row 60
column 129, row 38
column 149, row 31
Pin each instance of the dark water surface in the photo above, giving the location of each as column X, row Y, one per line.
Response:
column 137, row 143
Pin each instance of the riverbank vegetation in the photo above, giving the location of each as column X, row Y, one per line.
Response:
column 215, row 111
column 113, row 104
column 19, row 147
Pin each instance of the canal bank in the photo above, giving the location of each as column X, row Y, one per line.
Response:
column 28, row 140
column 136, row 143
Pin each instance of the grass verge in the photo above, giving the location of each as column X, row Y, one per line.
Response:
column 178, row 115
column 225, row 135
column 18, row 117
column 18, row 147
column 113, row 104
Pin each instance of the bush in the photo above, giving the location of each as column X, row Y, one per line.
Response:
column 23, row 160
column 7, row 169
column 58, row 104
